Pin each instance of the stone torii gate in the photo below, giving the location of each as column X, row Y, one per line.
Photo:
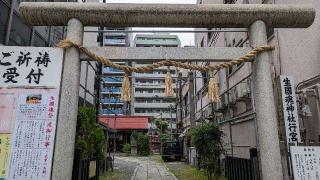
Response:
column 255, row 17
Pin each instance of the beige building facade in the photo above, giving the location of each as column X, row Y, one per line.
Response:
column 296, row 54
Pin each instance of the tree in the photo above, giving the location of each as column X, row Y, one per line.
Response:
column 142, row 141
column 207, row 138
column 90, row 138
column 162, row 128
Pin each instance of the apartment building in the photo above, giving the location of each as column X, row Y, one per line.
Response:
column 296, row 55
column 110, row 87
column 149, row 97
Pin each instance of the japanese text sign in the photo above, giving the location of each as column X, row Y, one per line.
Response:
column 30, row 66
column 290, row 113
column 4, row 154
column 305, row 162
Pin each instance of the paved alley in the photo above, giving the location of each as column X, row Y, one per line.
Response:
column 144, row 168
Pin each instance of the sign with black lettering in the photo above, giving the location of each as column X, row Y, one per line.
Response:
column 305, row 162
column 30, row 66
column 29, row 96
column 290, row 113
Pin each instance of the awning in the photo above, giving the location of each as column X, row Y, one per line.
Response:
column 125, row 122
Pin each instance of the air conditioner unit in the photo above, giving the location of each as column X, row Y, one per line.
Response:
column 232, row 95
column 208, row 112
column 223, row 102
column 243, row 90
column 218, row 105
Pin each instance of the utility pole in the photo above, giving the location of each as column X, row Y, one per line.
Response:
column 179, row 104
column 191, row 99
column 171, row 107
column 114, row 137
column 161, row 134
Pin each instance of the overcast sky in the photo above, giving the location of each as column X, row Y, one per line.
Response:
column 185, row 38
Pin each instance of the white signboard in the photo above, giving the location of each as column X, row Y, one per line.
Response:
column 305, row 162
column 290, row 112
column 30, row 66
column 33, row 135
column 29, row 84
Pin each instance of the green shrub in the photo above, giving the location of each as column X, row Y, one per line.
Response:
column 90, row 139
column 207, row 138
column 142, row 141
column 165, row 137
column 126, row 148
column 162, row 125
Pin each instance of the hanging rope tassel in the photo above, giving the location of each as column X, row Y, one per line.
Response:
column 213, row 89
column 168, row 81
column 126, row 89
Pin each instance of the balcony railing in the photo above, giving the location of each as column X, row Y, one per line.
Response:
column 153, row 95
column 111, row 100
column 152, row 105
column 114, row 41
column 204, row 113
column 112, row 79
column 111, row 111
column 111, row 70
column 237, row 92
column 111, row 90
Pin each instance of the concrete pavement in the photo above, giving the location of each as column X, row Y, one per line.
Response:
column 148, row 169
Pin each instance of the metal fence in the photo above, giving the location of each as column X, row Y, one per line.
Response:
column 81, row 170
column 241, row 168
column 90, row 169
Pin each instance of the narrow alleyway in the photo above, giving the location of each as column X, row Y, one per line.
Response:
column 142, row 168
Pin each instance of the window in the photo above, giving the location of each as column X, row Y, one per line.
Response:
column 205, row 77
column 202, row 43
column 156, row 101
column 270, row 32
column 210, row 34
column 38, row 41
column 230, row 1
column 56, row 34
column 4, row 13
column 20, row 33
column 42, row 31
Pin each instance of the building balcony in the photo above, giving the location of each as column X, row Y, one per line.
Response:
column 115, row 34
column 153, row 85
column 153, row 95
column 115, row 90
column 111, row 111
column 159, row 68
column 112, row 80
column 157, row 115
column 109, row 70
column 153, row 105
column 151, row 75
column 111, row 101
column 111, row 42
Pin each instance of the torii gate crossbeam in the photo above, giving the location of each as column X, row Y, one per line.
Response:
column 255, row 17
